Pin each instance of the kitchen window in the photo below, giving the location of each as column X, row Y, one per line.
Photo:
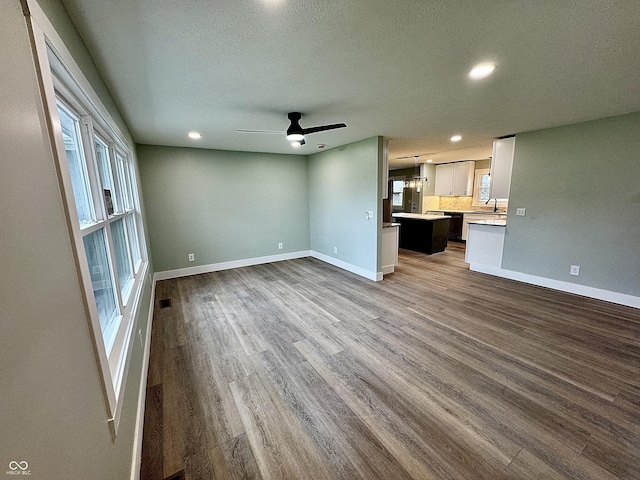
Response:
column 482, row 181
column 481, row 190
column 398, row 192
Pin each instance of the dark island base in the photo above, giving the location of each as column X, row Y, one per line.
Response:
column 426, row 236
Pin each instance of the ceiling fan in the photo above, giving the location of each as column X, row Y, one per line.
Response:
column 295, row 133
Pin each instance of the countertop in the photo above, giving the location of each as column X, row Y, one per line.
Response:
column 420, row 216
column 494, row 223
column 388, row 224
column 484, row 212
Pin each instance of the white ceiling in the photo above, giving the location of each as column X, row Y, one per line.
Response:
column 392, row 68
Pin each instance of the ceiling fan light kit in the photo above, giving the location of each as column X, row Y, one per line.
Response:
column 295, row 137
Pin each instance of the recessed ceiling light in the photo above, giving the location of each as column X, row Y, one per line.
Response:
column 456, row 138
column 429, row 160
column 296, row 144
column 482, row 70
column 194, row 135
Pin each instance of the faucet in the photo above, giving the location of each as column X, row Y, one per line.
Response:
column 495, row 205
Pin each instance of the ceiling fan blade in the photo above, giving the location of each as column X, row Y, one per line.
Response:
column 270, row 132
column 322, row 128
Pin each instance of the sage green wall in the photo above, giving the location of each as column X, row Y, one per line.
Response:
column 343, row 185
column 53, row 412
column 222, row 205
column 580, row 185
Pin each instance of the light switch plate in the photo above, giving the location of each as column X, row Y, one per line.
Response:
column 521, row 212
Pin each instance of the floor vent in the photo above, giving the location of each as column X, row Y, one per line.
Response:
column 176, row 476
column 166, row 303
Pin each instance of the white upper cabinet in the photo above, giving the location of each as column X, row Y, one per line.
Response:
column 463, row 178
column 501, row 164
column 455, row 179
column 444, row 179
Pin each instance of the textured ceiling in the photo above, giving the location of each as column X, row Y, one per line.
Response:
column 397, row 69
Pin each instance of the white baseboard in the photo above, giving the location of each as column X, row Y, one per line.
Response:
column 388, row 269
column 585, row 291
column 375, row 276
column 215, row 267
column 142, row 394
column 248, row 262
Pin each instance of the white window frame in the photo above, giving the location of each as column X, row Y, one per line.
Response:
column 477, row 185
column 63, row 80
column 395, row 192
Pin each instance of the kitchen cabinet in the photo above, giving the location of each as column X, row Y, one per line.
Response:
column 501, row 165
column 455, row 179
column 444, row 179
column 455, row 223
column 485, row 246
column 470, row 217
column 390, row 238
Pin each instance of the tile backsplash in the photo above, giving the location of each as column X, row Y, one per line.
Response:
column 455, row 203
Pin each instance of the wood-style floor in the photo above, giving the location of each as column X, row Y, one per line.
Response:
column 299, row 370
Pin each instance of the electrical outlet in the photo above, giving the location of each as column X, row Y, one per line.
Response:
column 192, row 257
column 280, row 246
column 521, row 212
column 575, row 270
column 335, row 249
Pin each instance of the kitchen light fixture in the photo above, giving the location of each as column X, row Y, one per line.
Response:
column 482, row 70
column 429, row 160
column 296, row 144
column 194, row 135
column 416, row 180
column 456, row 138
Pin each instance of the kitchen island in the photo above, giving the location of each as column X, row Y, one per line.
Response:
column 423, row 233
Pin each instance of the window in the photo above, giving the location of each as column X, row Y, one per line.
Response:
column 95, row 247
column 100, row 191
column 102, row 153
column 123, row 257
column 109, row 237
column 481, row 190
column 398, row 191
column 72, row 139
column 481, row 186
